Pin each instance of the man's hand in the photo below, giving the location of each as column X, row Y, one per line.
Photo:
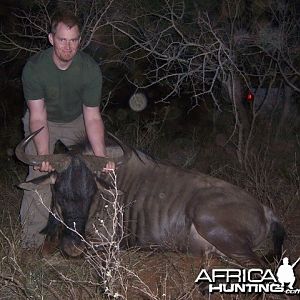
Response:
column 44, row 167
column 110, row 166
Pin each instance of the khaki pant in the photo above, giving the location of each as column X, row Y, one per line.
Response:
column 34, row 209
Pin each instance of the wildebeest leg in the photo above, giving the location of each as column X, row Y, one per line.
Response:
column 239, row 252
column 234, row 247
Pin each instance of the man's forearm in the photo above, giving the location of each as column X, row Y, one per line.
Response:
column 95, row 129
column 95, row 133
column 38, row 119
column 41, row 141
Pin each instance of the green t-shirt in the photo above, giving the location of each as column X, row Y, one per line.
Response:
column 64, row 91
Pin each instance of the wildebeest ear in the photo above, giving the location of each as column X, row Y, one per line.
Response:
column 38, row 182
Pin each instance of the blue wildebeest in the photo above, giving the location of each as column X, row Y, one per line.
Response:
column 164, row 206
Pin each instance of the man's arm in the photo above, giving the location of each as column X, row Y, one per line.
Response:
column 38, row 119
column 95, row 129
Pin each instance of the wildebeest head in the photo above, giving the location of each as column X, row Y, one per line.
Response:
column 74, row 185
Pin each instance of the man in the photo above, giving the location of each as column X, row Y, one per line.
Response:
column 62, row 88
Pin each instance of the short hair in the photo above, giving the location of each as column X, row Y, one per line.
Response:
column 66, row 17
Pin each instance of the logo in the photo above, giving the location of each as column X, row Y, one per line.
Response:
column 251, row 280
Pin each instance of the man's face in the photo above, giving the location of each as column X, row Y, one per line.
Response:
column 65, row 42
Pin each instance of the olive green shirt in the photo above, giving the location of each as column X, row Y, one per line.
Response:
column 64, row 91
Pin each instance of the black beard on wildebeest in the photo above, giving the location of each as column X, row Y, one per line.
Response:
column 164, row 206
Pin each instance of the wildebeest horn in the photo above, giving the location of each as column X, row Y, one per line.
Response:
column 57, row 161
column 61, row 161
column 96, row 163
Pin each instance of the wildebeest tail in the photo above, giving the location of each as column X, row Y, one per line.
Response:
column 278, row 235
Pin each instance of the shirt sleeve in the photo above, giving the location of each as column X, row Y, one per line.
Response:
column 92, row 91
column 32, row 86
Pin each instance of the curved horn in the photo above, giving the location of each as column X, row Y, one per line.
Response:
column 97, row 163
column 57, row 161
column 127, row 151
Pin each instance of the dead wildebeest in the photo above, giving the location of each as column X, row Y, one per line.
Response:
column 164, row 206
